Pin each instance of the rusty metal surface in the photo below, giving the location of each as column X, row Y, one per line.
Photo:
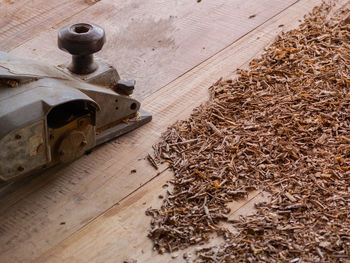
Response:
column 24, row 150
column 30, row 90
column 32, row 101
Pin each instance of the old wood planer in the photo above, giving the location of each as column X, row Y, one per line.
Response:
column 51, row 115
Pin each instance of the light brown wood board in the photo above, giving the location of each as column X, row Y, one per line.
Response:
column 21, row 20
column 120, row 233
column 156, row 41
column 31, row 216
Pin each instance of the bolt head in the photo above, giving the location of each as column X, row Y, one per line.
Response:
column 125, row 86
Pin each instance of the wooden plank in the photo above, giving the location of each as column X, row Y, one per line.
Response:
column 120, row 235
column 98, row 11
column 21, row 20
column 156, row 41
column 31, row 219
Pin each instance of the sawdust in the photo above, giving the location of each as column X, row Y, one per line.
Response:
column 283, row 126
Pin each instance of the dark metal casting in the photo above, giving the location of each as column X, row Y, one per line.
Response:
column 81, row 40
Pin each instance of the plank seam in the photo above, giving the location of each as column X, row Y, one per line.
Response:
column 45, row 29
column 160, row 173
column 173, row 81
column 223, row 49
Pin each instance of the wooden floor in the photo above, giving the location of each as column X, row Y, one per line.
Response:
column 93, row 210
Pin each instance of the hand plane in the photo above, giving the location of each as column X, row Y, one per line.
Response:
column 54, row 114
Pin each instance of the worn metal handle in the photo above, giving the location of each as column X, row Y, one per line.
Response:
column 81, row 40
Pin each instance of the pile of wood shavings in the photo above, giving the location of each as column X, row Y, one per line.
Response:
column 282, row 126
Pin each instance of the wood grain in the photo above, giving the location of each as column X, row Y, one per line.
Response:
column 120, row 234
column 44, row 215
column 156, row 41
column 21, row 20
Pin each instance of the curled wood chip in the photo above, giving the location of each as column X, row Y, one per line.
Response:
column 152, row 161
column 290, row 197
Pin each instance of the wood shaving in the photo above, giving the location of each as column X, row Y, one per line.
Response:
column 282, row 126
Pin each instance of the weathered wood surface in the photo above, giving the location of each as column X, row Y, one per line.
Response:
column 116, row 235
column 43, row 218
column 156, row 41
column 22, row 20
column 120, row 233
